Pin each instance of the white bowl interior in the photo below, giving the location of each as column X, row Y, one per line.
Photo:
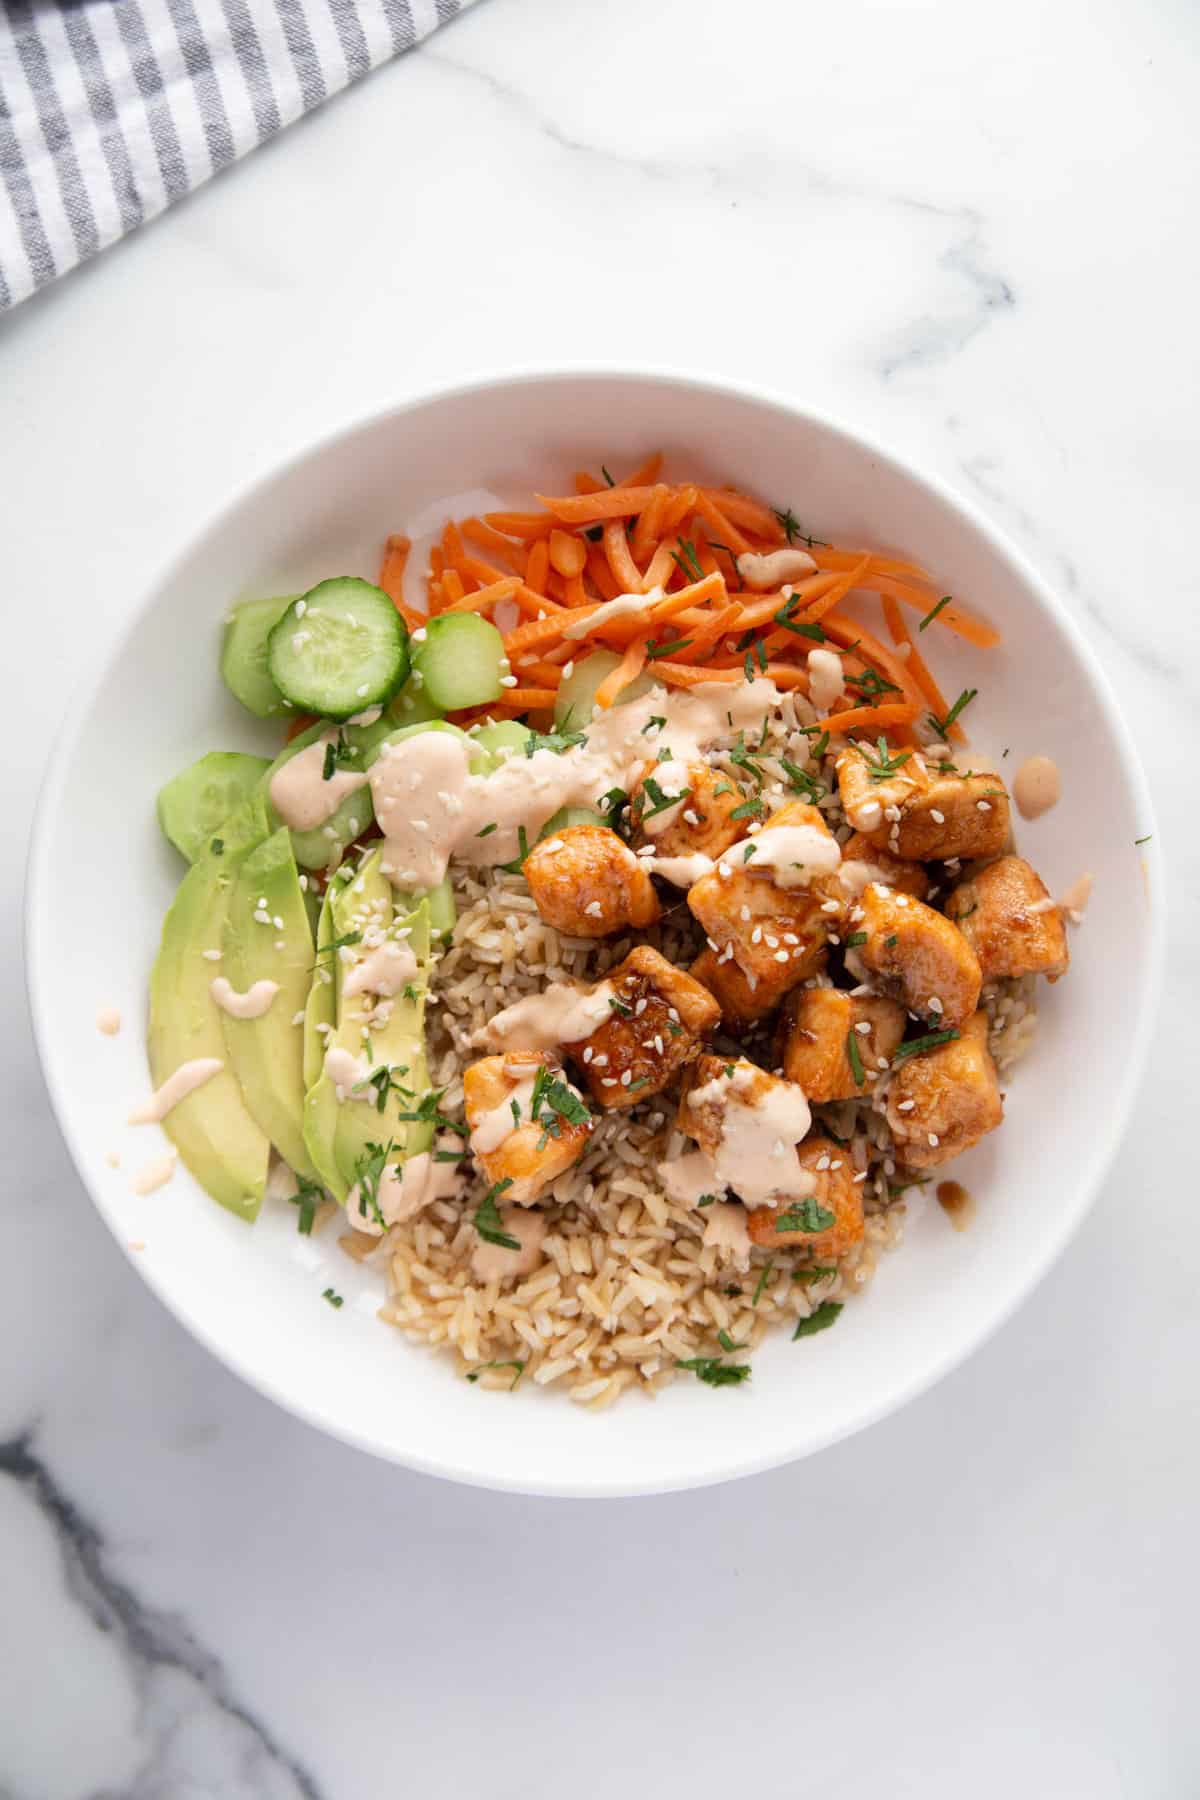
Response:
column 254, row 1295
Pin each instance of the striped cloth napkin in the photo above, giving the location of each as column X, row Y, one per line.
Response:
column 112, row 109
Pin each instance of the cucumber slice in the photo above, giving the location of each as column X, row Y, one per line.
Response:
column 412, row 705
column 339, row 649
column 244, row 655
column 570, row 815
column 195, row 802
column 506, row 738
column 576, row 700
column 460, row 661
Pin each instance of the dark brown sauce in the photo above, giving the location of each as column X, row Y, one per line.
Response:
column 956, row 1203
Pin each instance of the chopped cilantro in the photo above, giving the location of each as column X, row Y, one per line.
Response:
column 881, row 764
column 763, row 1280
column 488, row 1222
column 806, row 1215
column 942, row 726
column 335, row 1300
column 917, row 1046
column 518, row 863
column 854, row 940
column 820, row 1319
column 933, row 612
column 716, row 1373
column 308, row 1196
column 474, row 1374
column 854, row 1058
column 662, row 802
column 669, row 649
column 749, row 809
column 218, row 846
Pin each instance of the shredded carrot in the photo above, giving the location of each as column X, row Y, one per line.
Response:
column 677, row 509
column 587, row 484
column 627, row 670
column 599, row 573
column 723, row 529
column 488, row 538
column 395, row 560
column 751, row 515
column 520, row 525
column 568, row 553
column 485, row 597
column 954, row 617
column 616, row 548
column 544, row 631
column 677, row 674
column 590, row 509
column 659, row 569
column 830, row 556
column 647, row 530
column 520, row 697
column 695, row 594
column 850, row 632
column 300, row 723
column 871, row 718
column 453, row 588
column 574, row 594
column 645, row 473
column 917, row 667
column 538, row 566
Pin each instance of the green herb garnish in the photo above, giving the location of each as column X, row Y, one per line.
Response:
column 653, row 650
column 518, row 862
column 816, row 1272
column 656, row 721
column 1144, row 840
column 688, row 563
column 335, row 1300
column 662, row 802
column 368, row 1171
column 854, row 940
column 854, row 1058
column 716, row 1373
column 487, row 830
column 218, row 846
column 870, row 684
column 308, row 1196
column 384, row 1082
column 474, row 1374
column 749, row 809
column 793, row 530
column 607, row 476
column 707, row 1200
column 762, row 1280
column 917, row 1046
column 806, row 1215
column 558, row 741
column 933, row 612
column 942, row 726
column 488, row 1222
column 339, row 943
column 882, row 765
column 801, row 782
column 820, row 1319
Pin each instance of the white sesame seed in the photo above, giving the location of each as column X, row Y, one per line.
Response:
column 593, row 909
column 935, row 1004
column 863, row 1028
column 627, row 1077
column 211, row 955
column 362, row 690
column 939, row 818
column 781, row 956
column 568, row 671
column 508, row 681
column 756, row 935
column 602, row 1060
column 724, row 871
column 690, row 817
column 301, row 608
column 608, row 1081
column 744, row 915
column 934, row 1140
column 983, row 806
column 830, row 906
column 883, row 1062
column 772, row 943
column 906, row 1106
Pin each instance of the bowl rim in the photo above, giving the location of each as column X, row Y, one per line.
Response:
column 1109, row 1129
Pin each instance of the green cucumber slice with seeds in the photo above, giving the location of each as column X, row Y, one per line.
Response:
column 339, row 649
column 460, row 660
column 244, row 655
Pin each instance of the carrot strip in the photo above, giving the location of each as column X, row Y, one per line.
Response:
column 485, row 597
column 590, row 509
column 659, row 569
column 575, row 593
column 917, row 667
column 616, row 547
column 520, row 697
column 538, row 566
column 453, row 588
column 677, row 674
column 711, row 588
column 722, row 528
column 644, row 474
column 750, row 514
column 600, row 573
column 568, row 553
column 834, row 556
column 520, row 525
column 527, row 598
column 300, row 723
column 647, row 531
column 627, row 670
column 437, row 561
column 544, row 631
column 871, row 718
column 849, row 631
column 395, row 560
column 586, row 483
column 716, row 627
column 956, row 618
column 677, row 509
column 483, row 534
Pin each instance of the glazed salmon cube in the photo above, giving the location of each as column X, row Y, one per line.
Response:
column 831, row 1189
column 921, row 813
column 660, row 1019
column 586, row 883
column 528, row 1124
column 1007, row 916
column 815, row 1037
column 917, row 957
column 863, row 861
column 743, row 1006
column 701, row 822
column 944, row 1100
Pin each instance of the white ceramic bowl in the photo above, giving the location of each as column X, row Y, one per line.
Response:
column 253, row 1295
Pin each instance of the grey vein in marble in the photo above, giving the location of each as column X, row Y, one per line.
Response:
column 183, row 1692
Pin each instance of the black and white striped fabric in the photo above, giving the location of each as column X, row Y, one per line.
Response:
column 112, row 109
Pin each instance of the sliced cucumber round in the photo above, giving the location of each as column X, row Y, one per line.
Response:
column 576, row 700
column 196, row 802
column 460, row 661
column 244, row 655
column 339, row 649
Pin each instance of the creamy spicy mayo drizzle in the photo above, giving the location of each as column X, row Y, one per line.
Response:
column 625, row 606
column 760, row 1129
column 251, row 1005
column 794, row 854
column 1037, row 786
column 185, row 1080
column 301, row 795
column 765, row 572
column 385, row 971
column 563, row 1014
column 430, row 807
column 405, row 1189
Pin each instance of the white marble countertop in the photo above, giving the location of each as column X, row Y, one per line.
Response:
column 972, row 232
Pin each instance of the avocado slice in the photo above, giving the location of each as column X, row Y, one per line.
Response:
column 337, row 1133
column 212, row 1128
column 267, row 1054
